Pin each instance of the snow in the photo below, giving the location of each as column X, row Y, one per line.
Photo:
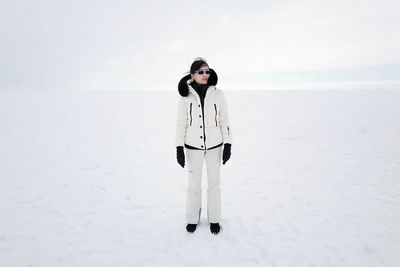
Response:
column 91, row 179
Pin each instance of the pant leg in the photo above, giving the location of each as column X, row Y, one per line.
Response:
column 213, row 163
column 195, row 161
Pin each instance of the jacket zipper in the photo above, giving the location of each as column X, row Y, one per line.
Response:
column 216, row 124
column 190, row 114
column 204, row 125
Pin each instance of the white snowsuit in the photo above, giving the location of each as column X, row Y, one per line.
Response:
column 201, row 132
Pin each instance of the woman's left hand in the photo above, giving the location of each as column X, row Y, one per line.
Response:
column 226, row 155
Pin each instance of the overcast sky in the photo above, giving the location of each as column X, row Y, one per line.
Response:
column 128, row 45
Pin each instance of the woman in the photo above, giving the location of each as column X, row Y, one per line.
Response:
column 203, row 129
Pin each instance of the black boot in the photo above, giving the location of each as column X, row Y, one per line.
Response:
column 191, row 227
column 214, row 228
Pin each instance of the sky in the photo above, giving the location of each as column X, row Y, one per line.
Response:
column 149, row 45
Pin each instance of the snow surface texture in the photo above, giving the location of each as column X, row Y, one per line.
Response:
column 91, row 179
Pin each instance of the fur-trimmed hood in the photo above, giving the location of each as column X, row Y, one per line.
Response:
column 183, row 87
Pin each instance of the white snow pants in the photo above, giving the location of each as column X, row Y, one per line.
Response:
column 195, row 161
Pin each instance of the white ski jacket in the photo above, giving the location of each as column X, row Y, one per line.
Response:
column 203, row 132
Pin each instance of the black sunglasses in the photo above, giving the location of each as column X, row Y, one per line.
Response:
column 201, row 72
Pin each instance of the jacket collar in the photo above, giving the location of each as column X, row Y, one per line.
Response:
column 193, row 91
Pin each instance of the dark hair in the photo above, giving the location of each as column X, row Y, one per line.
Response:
column 197, row 63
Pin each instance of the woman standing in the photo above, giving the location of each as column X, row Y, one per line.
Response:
column 202, row 128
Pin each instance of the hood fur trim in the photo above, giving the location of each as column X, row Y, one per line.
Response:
column 183, row 87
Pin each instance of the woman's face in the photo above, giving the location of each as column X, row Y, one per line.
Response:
column 201, row 75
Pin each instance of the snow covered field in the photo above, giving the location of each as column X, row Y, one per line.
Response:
column 91, row 179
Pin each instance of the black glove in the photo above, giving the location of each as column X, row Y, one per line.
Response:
column 180, row 156
column 226, row 155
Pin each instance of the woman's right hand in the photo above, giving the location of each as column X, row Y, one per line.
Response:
column 180, row 156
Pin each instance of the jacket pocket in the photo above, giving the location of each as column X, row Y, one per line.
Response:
column 216, row 122
column 190, row 112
